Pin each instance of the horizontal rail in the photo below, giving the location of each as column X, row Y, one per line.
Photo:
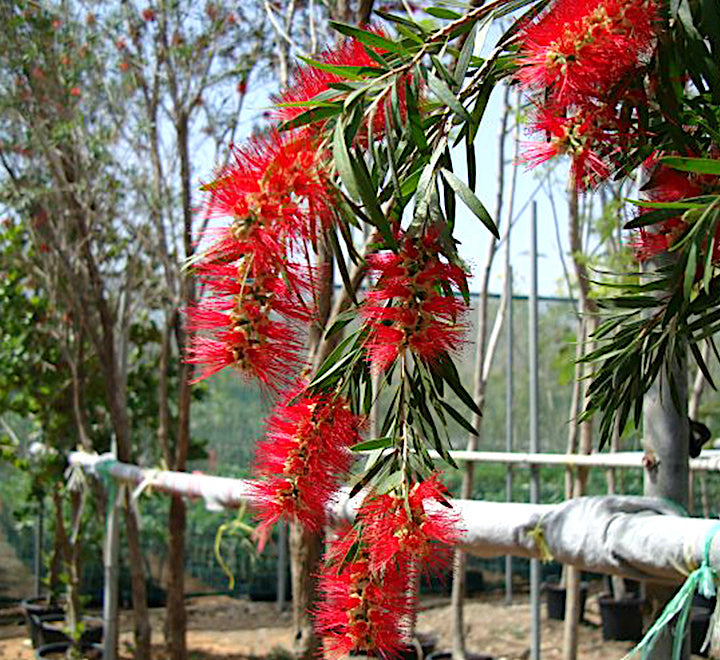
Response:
column 709, row 461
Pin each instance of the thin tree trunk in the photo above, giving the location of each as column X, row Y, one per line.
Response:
column 176, row 620
column 589, row 312
column 305, row 553
column 573, row 574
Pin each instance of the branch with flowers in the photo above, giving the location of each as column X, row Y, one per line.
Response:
column 364, row 140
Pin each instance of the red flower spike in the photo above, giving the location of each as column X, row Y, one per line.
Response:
column 303, row 457
column 410, row 307
column 582, row 48
column 667, row 185
column 310, row 81
column 278, row 181
column 361, row 609
column 590, row 136
column 419, row 531
column 245, row 331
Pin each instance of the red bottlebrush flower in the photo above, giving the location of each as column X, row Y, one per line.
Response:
column 243, row 319
column 148, row 14
column 304, row 455
column 590, row 136
column 281, row 181
column 666, row 185
column 581, row 48
column 310, row 81
column 412, row 306
column 421, row 531
column 361, row 609
column 75, row 91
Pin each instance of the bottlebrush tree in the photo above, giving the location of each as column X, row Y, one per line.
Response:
column 364, row 140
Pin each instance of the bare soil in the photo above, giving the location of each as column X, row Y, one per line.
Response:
column 222, row 628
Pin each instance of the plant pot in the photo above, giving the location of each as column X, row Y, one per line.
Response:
column 621, row 619
column 699, row 625
column 51, row 629
column 555, row 600
column 59, row 649
column 708, row 603
column 474, row 582
column 447, row 655
column 425, row 643
column 36, row 607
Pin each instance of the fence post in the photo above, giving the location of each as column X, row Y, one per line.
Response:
column 111, row 558
column 534, row 439
column 509, row 417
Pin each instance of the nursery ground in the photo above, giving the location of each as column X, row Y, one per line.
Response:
column 221, row 628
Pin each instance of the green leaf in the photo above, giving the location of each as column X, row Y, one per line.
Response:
column 343, row 71
column 445, row 367
column 311, row 116
column 650, row 218
column 369, row 38
column 376, row 443
column 696, row 165
column 342, row 266
column 343, row 165
column 459, row 418
column 463, row 61
column 370, row 200
column 441, row 12
column 690, row 270
column 444, row 93
column 342, row 320
column 365, row 479
column 415, row 123
column 470, row 200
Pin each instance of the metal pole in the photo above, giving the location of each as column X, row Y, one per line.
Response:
column 534, row 440
column 111, row 561
column 509, row 412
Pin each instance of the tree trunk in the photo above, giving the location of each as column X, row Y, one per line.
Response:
column 666, row 437
column 589, row 313
column 176, row 619
column 573, row 574
column 142, row 630
column 305, row 553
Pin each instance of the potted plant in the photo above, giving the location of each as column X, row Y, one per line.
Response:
column 555, row 593
column 621, row 611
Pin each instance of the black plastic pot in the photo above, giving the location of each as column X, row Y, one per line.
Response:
column 59, row 649
column 51, row 629
column 37, row 607
column 426, row 643
column 699, row 625
column 555, row 600
column 621, row 619
column 447, row 655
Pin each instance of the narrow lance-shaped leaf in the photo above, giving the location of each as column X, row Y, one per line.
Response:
column 470, row 200
column 341, row 157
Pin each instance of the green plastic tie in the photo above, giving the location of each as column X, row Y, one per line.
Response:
column 701, row 580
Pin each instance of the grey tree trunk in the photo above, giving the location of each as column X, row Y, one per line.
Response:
column 666, row 437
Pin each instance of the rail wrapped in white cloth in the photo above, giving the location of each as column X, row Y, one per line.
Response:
column 635, row 537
